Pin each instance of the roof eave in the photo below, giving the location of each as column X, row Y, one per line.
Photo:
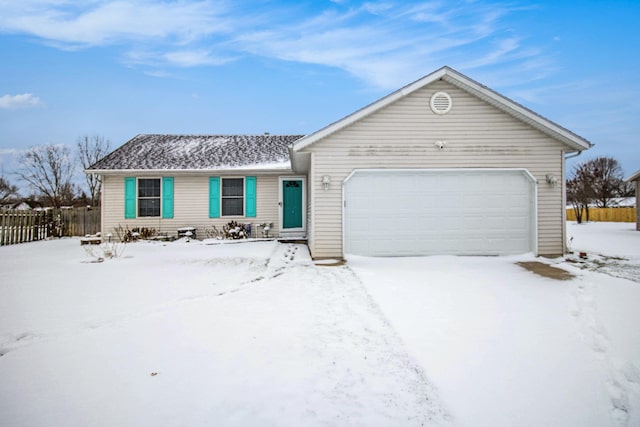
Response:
column 227, row 171
column 633, row 177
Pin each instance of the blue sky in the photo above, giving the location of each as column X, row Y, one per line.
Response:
column 120, row 68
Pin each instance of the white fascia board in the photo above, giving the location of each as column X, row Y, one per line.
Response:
column 236, row 171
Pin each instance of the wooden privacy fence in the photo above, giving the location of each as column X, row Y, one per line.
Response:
column 28, row 226
column 80, row 221
column 605, row 215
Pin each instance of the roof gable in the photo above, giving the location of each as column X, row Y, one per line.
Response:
column 572, row 140
column 199, row 152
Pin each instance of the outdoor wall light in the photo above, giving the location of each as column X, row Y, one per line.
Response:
column 326, row 181
column 552, row 180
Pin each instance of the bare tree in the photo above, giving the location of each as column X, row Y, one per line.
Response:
column 579, row 191
column 627, row 189
column 48, row 169
column 7, row 190
column 90, row 149
column 595, row 182
column 607, row 179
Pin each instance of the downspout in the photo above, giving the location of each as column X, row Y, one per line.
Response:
column 564, row 202
column 571, row 156
column 292, row 158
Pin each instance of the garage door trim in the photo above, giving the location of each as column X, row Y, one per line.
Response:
column 524, row 171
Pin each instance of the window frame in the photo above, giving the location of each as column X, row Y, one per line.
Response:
column 242, row 198
column 138, row 197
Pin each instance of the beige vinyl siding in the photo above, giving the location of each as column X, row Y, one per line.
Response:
column 191, row 205
column 403, row 134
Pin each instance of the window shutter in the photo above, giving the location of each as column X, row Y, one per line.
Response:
column 129, row 197
column 167, row 197
column 250, row 196
column 214, row 197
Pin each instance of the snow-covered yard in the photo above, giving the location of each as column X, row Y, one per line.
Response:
column 186, row 333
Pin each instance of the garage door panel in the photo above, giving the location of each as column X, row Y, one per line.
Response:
column 466, row 212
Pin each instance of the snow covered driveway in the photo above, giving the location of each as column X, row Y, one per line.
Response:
column 256, row 334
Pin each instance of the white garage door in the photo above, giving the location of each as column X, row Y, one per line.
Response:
column 429, row 212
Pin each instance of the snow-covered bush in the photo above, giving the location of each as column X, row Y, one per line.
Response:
column 95, row 253
column 144, row 232
column 110, row 249
column 214, row 233
column 113, row 249
column 124, row 234
column 234, row 230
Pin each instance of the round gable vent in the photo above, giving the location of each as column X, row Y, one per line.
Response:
column 440, row 103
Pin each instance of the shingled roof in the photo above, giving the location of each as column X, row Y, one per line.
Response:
column 199, row 152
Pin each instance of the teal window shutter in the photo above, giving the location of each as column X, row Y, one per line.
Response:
column 250, row 196
column 129, row 197
column 167, row 197
column 214, row 197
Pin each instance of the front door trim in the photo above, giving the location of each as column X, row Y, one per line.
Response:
column 298, row 230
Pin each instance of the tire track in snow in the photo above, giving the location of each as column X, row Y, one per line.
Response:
column 353, row 332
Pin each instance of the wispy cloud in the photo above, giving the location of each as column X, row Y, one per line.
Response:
column 25, row 100
column 385, row 43
column 504, row 50
column 377, row 8
column 10, row 151
column 99, row 23
column 191, row 58
column 177, row 58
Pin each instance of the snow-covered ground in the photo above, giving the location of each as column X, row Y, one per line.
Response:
column 187, row 333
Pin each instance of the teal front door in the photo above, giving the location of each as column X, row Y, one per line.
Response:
column 292, row 203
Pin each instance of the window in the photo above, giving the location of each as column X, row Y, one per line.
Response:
column 149, row 197
column 232, row 196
